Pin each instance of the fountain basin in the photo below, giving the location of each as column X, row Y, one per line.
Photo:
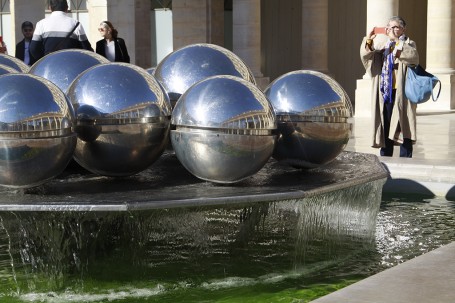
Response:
column 167, row 184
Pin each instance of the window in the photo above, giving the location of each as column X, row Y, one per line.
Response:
column 73, row 5
column 161, row 4
column 5, row 19
column 4, row 6
column 78, row 5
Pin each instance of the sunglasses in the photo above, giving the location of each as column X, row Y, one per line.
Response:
column 101, row 29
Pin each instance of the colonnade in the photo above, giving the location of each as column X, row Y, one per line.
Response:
column 198, row 21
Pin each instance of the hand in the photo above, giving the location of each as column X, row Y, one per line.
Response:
column 371, row 35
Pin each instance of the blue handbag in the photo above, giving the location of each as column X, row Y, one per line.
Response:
column 420, row 84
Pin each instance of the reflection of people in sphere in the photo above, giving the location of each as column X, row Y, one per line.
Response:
column 394, row 115
column 112, row 47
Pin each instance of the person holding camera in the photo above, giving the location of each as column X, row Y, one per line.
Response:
column 394, row 116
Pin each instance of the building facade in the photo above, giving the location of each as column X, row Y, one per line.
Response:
column 272, row 37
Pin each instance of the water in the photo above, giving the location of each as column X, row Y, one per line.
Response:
column 263, row 252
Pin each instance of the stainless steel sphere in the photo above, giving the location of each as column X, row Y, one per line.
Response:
column 14, row 63
column 123, row 119
column 62, row 67
column 5, row 69
column 312, row 112
column 186, row 66
column 223, row 129
column 36, row 136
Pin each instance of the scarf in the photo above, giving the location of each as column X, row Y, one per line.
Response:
column 386, row 82
column 387, row 72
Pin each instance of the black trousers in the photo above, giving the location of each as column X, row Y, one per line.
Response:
column 387, row 151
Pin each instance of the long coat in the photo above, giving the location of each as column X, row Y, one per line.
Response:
column 121, row 53
column 403, row 120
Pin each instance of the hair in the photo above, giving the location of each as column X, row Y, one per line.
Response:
column 58, row 5
column 26, row 24
column 399, row 20
column 111, row 27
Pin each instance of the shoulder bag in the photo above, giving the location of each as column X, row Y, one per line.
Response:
column 420, row 84
column 59, row 46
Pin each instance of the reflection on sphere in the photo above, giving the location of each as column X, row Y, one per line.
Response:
column 186, row 66
column 123, row 119
column 37, row 139
column 223, row 129
column 62, row 67
column 312, row 111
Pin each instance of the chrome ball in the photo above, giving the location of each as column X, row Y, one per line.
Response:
column 223, row 129
column 313, row 113
column 14, row 63
column 62, row 67
column 123, row 119
column 5, row 69
column 36, row 135
column 186, row 66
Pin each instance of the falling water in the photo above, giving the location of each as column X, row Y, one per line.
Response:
column 204, row 247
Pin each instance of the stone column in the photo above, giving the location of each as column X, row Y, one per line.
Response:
column 97, row 12
column 141, row 39
column 440, row 54
column 440, row 30
column 197, row 21
column 246, row 28
column 378, row 14
column 315, row 27
column 24, row 10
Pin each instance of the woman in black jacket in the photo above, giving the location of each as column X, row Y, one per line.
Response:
column 111, row 47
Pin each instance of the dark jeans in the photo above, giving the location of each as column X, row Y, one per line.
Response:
column 387, row 151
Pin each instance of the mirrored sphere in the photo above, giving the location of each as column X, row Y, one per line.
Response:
column 313, row 113
column 5, row 69
column 14, row 63
column 62, row 67
column 223, row 129
column 123, row 119
column 193, row 63
column 36, row 135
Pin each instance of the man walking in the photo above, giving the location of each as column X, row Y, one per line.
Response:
column 57, row 32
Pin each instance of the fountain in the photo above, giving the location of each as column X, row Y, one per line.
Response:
column 164, row 229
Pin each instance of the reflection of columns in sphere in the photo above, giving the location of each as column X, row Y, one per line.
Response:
column 312, row 111
column 37, row 140
column 5, row 69
column 186, row 66
column 14, row 63
column 62, row 67
column 223, row 129
column 123, row 118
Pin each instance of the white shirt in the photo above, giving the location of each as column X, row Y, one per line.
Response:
column 110, row 50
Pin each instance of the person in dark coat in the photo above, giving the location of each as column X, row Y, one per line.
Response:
column 111, row 46
column 23, row 47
